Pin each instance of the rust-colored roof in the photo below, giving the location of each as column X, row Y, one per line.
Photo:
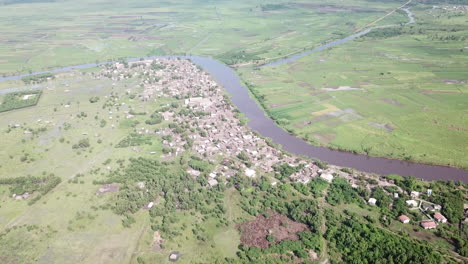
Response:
column 428, row 224
column 438, row 216
column 403, row 218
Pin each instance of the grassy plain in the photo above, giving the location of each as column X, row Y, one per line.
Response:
column 71, row 224
column 42, row 34
column 401, row 93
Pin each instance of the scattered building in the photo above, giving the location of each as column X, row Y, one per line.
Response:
column 249, row 173
column 149, row 205
column 429, row 192
column 198, row 101
column 174, row 256
column 372, row 201
column 404, row 219
column 414, row 194
column 428, row 207
column 212, row 182
column 141, row 185
column 327, row 176
column 395, row 195
column 440, row 218
column 428, row 224
column 411, row 203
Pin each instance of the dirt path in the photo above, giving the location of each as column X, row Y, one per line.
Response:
column 388, row 14
column 137, row 245
column 269, row 60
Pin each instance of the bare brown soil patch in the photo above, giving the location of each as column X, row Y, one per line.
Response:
column 106, row 188
column 283, row 104
column 386, row 127
column 303, row 123
column 452, row 81
column 333, row 123
column 304, row 84
column 325, row 137
column 321, row 118
column 332, row 8
column 390, row 101
column 438, row 91
column 457, row 128
column 255, row 232
column 157, row 241
column 250, row 35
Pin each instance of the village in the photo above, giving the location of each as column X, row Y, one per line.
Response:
column 184, row 114
column 217, row 134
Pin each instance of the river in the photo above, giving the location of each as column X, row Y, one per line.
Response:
column 261, row 123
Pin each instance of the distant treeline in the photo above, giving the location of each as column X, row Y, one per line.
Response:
column 447, row 2
column 41, row 185
column 272, row 7
column 14, row 2
column 37, row 78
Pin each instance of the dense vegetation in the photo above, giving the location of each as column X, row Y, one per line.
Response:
column 357, row 242
column 32, row 185
column 175, row 189
column 37, row 78
column 19, row 100
column 134, row 139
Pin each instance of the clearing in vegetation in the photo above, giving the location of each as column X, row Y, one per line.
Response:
column 270, row 228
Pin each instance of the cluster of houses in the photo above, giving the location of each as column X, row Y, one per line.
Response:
column 215, row 132
column 430, row 210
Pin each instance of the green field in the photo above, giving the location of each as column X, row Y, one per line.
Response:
column 80, row 133
column 398, row 92
column 48, row 34
column 69, row 224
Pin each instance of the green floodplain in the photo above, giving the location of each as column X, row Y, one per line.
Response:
column 397, row 92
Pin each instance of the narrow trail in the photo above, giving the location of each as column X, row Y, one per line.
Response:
column 388, row 14
column 292, row 56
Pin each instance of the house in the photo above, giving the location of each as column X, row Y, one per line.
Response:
column 428, row 224
column 429, row 192
column 327, row 176
column 440, row 218
column 174, row 256
column 411, row 203
column 414, row 194
column 404, row 219
column 372, row 201
column 249, row 173
column 198, row 101
column 212, row 182
column 395, row 195
column 428, row 207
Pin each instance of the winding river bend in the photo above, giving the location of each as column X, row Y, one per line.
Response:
column 261, row 123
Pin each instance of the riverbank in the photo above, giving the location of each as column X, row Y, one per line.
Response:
column 399, row 107
column 259, row 122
